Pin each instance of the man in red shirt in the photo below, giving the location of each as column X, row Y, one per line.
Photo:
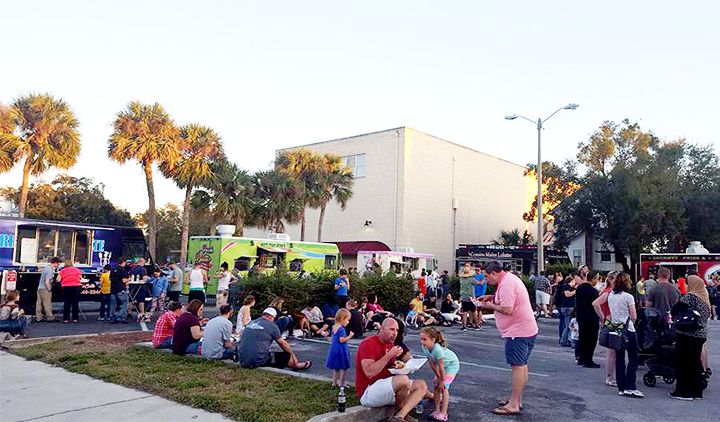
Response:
column 374, row 385
column 162, row 335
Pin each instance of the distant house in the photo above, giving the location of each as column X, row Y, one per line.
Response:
column 585, row 249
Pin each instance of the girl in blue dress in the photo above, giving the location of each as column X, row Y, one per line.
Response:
column 338, row 358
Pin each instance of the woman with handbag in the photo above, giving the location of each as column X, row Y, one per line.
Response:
column 690, row 317
column 623, row 313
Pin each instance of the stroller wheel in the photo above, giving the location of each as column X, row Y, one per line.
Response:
column 669, row 380
column 649, row 380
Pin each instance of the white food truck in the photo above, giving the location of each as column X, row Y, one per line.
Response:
column 398, row 262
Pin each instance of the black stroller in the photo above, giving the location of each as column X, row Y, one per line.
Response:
column 656, row 350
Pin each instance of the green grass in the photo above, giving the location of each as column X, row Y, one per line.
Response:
column 241, row 394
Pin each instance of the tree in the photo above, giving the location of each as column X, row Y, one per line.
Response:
column 200, row 147
column 227, row 197
column 74, row 199
column 513, row 238
column 559, row 182
column 306, row 166
column 42, row 130
column 147, row 134
column 335, row 181
column 169, row 223
column 279, row 198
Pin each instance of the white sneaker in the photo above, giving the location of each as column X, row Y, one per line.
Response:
column 622, row 393
column 610, row 382
column 635, row 393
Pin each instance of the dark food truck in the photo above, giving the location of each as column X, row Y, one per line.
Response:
column 27, row 245
column 522, row 259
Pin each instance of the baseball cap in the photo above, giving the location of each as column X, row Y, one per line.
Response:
column 270, row 311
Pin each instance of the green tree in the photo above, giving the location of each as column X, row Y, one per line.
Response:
column 335, row 182
column 513, row 238
column 279, row 199
column 169, row 223
column 226, row 197
column 305, row 166
column 147, row 134
column 200, row 148
column 43, row 131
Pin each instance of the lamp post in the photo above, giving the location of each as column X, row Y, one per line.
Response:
column 540, row 235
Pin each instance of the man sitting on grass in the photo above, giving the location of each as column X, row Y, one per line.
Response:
column 217, row 340
column 163, row 332
column 254, row 348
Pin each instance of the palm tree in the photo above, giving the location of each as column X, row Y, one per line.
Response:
column 146, row 133
column 513, row 238
column 228, row 196
column 335, row 182
column 200, row 148
column 306, row 166
column 280, row 198
column 42, row 130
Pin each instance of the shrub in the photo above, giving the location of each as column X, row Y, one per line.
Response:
column 564, row 268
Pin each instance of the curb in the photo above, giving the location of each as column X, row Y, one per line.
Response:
column 33, row 340
column 356, row 414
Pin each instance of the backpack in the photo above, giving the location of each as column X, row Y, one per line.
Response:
column 686, row 320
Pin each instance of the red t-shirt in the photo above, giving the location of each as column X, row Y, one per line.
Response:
column 70, row 277
column 370, row 348
column 422, row 285
column 605, row 307
column 682, row 285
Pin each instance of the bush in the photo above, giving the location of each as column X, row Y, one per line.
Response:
column 564, row 268
column 393, row 292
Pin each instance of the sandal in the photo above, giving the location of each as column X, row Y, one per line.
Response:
column 305, row 366
column 503, row 403
column 504, row 411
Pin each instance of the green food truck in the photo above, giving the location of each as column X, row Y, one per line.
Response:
column 241, row 253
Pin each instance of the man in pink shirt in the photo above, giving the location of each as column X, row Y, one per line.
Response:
column 515, row 320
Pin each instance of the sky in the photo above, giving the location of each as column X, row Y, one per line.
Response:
column 274, row 74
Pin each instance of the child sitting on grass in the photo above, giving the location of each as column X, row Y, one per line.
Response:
column 338, row 358
column 444, row 364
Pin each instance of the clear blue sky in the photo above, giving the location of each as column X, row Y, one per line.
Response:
column 268, row 74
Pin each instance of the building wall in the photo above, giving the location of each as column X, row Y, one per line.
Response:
column 577, row 250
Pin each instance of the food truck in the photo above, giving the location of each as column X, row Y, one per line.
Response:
column 522, row 259
column 241, row 254
column 26, row 246
column 398, row 262
column 695, row 258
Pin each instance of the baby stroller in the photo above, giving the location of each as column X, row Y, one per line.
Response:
column 656, row 350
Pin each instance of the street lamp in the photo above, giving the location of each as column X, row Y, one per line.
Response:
column 539, row 123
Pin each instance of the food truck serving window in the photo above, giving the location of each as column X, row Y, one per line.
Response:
column 39, row 244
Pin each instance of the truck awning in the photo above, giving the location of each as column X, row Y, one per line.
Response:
column 352, row 248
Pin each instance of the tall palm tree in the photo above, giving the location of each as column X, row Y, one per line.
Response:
column 335, row 182
column 306, row 166
column 147, row 134
column 280, row 198
column 228, row 196
column 200, row 148
column 513, row 238
column 42, row 130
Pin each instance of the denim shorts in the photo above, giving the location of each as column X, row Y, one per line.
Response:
column 518, row 349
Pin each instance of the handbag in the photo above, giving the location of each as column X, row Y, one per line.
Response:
column 614, row 336
column 686, row 320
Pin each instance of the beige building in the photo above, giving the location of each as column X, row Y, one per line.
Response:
column 419, row 191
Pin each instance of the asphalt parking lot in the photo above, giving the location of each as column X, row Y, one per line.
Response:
column 558, row 389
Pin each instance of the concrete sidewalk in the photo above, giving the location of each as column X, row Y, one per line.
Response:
column 32, row 390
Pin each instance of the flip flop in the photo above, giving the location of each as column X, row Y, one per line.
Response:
column 503, row 403
column 503, row 411
column 307, row 365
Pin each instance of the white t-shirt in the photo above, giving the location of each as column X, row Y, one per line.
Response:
column 224, row 282
column 196, row 280
column 620, row 304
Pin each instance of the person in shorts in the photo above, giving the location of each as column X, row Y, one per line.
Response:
column 515, row 320
column 543, row 289
column 257, row 338
column 374, row 385
column 467, row 294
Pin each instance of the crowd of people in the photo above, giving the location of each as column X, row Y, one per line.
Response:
column 588, row 303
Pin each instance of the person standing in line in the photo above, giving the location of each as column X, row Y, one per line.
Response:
column 566, row 298
column 342, row 288
column 515, row 320
column 480, row 290
column 431, row 282
column 622, row 311
column 588, row 321
column 225, row 277
column 641, row 292
column 44, row 291
column 650, row 283
column 105, row 293
column 159, row 289
column 140, row 274
column 602, row 308
column 70, row 281
column 119, row 279
column 542, row 294
column 582, row 273
column 176, row 281
column 689, row 344
column 467, row 294
column 197, row 280
column 445, row 283
column 338, row 358
column 664, row 295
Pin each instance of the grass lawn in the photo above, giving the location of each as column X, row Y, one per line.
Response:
column 241, row 394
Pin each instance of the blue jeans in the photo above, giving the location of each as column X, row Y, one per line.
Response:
column 121, row 299
column 14, row 326
column 284, row 323
column 105, row 305
column 564, row 328
column 166, row 344
column 625, row 377
column 193, row 348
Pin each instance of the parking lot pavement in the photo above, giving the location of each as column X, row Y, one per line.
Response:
column 558, row 390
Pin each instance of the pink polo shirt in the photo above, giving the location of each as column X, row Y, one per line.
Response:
column 511, row 293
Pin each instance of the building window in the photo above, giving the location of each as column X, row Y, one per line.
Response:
column 356, row 164
column 577, row 257
column 605, row 256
